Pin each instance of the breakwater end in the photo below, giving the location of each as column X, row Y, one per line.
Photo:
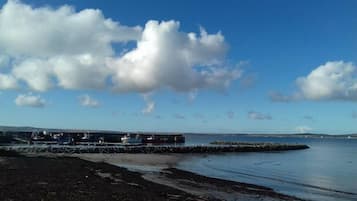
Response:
column 223, row 148
column 253, row 143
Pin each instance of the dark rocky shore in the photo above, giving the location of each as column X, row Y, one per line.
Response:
column 73, row 179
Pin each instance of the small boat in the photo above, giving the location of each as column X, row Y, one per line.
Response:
column 66, row 140
column 131, row 139
column 37, row 136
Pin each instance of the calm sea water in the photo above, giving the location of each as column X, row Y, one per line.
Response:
column 326, row 171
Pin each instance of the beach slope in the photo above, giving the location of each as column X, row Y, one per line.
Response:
column 74, row 179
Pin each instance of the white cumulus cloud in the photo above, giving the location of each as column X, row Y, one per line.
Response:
column 46, row 32
column 334, row 80
column 165, row 57
column 30, row 100
column 87, row 101
column 80, row 72
column 59, row 47
column 44, row 48
column 35, row 73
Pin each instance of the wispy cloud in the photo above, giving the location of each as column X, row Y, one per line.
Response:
column 179, row 116
column 150, row 104
column 4, row 61
column 192, row 95
column 87, row 101
column 248, row 80
column 230, row 114
column 303, row 129
column 279, row 97
column 198, row 116
column 258, row 116
column 308, row 117
column 354, row 115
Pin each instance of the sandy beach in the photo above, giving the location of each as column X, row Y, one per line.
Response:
column 101, row 177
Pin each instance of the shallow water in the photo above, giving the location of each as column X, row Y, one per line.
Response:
column 326, row 171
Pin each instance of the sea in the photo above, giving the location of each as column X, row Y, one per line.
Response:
column 327, row 171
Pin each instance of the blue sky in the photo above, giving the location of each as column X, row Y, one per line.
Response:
column 270, row 44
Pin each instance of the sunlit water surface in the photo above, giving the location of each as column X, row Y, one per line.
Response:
column 326, row 171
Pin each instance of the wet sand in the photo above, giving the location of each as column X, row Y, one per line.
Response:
column 141, row 161
column 59, row 177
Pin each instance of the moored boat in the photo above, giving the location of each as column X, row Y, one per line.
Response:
column 131, row 139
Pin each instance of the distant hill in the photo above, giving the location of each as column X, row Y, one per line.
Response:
column 17, row 128
column 290, row 135
column 30, row 129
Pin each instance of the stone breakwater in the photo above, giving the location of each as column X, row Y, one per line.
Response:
column 155, row 149
column 251, row 143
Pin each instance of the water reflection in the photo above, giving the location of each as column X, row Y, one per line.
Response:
column 326, row 171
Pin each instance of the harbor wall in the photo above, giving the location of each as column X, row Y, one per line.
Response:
column 154, row 149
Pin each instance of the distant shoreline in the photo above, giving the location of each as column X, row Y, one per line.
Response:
column 258, row 134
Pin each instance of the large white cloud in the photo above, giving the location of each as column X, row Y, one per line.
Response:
column 44, row 48
column 69, row 72
column 59, row 47
column 334, row 80
column 80, row 72
column 166, row 57
column 45, row 32
column 35, row 72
